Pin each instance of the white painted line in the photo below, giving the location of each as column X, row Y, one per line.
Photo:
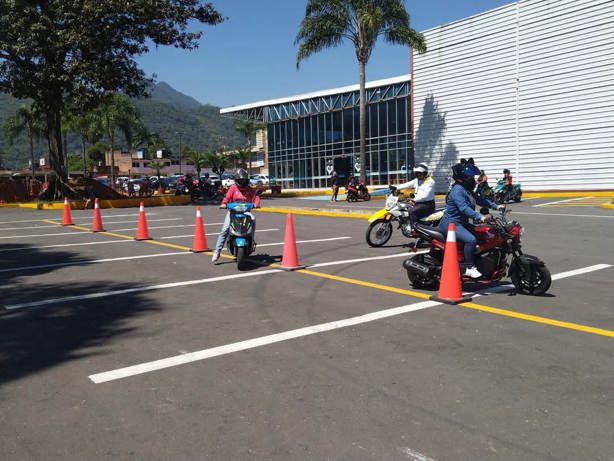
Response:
column 45, row 235
column 373, row 258
column 253, row 343
column 414, row 455
column 86, row 262
column 42, row 226
column 303, row 241
column 561, row 201
column 584, row 270
column 23, row 220
column 103, row 294
column 38, row 247
column 135, row 220
column 567, row 214
column 208, row 233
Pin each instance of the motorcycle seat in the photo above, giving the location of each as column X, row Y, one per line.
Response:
column 430, row 231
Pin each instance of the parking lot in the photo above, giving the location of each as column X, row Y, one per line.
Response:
column 114, row 348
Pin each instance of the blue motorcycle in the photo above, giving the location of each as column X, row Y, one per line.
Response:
column 241, row 232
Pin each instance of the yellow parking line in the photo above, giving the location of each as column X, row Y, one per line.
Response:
column 416, row 294
column 470, row 305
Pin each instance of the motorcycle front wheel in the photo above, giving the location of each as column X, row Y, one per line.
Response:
column 379, row 232
column 536, row 281
column 241, row 258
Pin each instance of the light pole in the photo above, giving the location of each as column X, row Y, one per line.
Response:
column 179, row 133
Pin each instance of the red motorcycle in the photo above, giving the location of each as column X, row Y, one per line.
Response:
column 357, row 190
column 497, row 241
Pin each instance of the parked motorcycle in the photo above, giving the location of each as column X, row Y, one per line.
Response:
column 357, row 191
column 381, row 223
column 241, row 236
column 498, row 240
column 504, row 195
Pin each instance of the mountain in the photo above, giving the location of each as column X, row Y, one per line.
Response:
column 167, row 112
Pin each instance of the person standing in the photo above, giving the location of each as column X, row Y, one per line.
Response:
column 335, row 181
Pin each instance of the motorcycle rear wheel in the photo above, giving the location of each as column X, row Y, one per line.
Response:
column 379, row 232
column 536, row 282
column 241, row 258
column 367, row 197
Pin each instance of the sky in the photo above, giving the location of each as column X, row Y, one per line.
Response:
column 251, row 56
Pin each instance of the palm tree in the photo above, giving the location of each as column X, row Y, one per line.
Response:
column 217, row 160
column 118, row 113
column 249, row 128
column 88, row 127
column 199, row 159
column 157, row 165
column 328, row 22
column 25, row 119
column 242, row 155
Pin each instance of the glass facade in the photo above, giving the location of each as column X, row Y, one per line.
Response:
column 306, row 136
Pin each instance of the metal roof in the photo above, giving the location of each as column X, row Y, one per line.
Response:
column 315, row 94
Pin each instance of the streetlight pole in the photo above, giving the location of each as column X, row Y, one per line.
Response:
column 180, row 161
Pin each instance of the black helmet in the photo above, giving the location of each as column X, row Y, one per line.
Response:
column 465, row 172
column 506, row 171
column 241, row 178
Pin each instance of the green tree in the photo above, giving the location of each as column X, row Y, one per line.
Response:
column 198, row 159
column 26, row 119
column 118, row 114
column 328, row 23
column 217, row 160
column 157, row 164
column 89, row 128
column 249, row 128
column 62, row 53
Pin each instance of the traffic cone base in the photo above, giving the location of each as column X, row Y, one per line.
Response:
column 97, row 225
column 450, row 291
column 200, row 238
column 289, row 259
column 66, row 217
column 141, row 231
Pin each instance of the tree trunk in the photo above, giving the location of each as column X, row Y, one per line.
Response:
column 58, row 187
column 363, row 123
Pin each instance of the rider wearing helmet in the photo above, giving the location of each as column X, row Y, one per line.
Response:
column 238, row 192
column 424, row 192
column 461, row 206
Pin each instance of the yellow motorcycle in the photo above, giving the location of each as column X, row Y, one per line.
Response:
column 396, row 211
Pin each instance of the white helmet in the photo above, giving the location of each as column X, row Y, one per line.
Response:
column 421, row 168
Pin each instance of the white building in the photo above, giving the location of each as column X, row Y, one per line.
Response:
column 528, row 86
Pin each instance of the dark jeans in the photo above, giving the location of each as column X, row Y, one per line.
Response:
column 462, row 235
column 422, row 209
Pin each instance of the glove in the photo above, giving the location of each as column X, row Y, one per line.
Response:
column 486, row 217
column 500, row 207
column 223, row 205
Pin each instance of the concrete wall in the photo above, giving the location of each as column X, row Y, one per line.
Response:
column 528, row 86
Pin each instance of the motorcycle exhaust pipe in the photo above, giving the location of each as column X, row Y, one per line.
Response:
column 412, row 266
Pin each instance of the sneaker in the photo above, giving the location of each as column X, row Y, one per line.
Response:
column 472, row 272
column 215, row 257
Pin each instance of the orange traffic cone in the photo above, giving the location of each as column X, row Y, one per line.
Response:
column 200, row 240
column 66, row 219
column 450, row 291
column 97, row 225
column 141, row 231
column 289, row 259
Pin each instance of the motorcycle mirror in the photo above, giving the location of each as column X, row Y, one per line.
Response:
column 412, row 195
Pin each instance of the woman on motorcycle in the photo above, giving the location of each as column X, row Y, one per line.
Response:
column 461, row 206
column 238, row 192
column 424, row 191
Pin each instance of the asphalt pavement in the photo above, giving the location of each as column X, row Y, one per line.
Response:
column 120, row 349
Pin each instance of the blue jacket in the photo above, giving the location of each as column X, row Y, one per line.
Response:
column 461, row 207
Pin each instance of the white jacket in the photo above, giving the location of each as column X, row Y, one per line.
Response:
column 424, row 189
